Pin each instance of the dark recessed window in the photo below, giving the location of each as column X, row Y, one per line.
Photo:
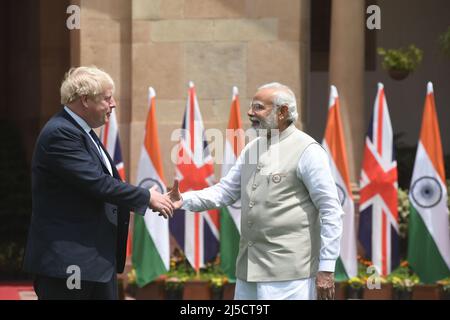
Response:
column 320, row 37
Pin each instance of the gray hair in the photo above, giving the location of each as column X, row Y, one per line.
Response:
column 84, row 81
column 283, row 96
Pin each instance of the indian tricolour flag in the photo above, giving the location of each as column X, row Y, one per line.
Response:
column 230, row 217
column 428, row 235
column 151, row 256
column 334, row 144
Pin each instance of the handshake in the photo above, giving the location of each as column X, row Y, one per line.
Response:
column 166, row 203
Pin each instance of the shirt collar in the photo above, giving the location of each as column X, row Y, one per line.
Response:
column 78, row 119
column 287, row 132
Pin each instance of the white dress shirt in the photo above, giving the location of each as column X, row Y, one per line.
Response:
column 313, row 170
column 87, row 128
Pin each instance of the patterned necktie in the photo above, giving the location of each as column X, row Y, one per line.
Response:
column 101, row 152
column 97, row 141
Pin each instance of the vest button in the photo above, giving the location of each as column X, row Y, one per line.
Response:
column 250, row 243
column 254, row 186
column 251, row 204
column 258, row 167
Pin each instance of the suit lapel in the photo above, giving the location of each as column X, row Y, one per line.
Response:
column 91, row 144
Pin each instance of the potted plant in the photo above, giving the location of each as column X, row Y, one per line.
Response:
column 403, row 280
column 400, row 62
column 131, row 288
column 217, row 280
column 174, row 287
column 180, row 272
column 445, row 285
column 355, row 288
column 444, row 42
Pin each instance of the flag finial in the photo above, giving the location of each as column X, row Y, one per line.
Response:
column 151, row 92
column 429, row 87
column 333, row 91
column 333, row 96
column 235, row 91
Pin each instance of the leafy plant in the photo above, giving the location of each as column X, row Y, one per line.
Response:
column 445, row 283
column 403, row 278
column 403, row 212
column 444, row 42
column 404, row 59
column 356, row 282
column 214, row 275
column 132, row 276
column 181, row 271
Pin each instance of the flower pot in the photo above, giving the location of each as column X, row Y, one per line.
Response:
column 402, row 294
column 445, row 295
column 354, row 293
column 197, row 290
column 426, row 292
column 153, row 291
column 386, row 292
column 398, row 74
column 175, row 293
column 216, row 293
column 228, row 291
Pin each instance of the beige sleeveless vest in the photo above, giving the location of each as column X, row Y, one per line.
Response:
column 280, row 228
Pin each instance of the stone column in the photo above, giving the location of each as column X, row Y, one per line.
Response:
column 104, row 40
column 347, row 74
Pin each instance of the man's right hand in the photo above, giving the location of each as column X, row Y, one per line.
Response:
column 175, row 195
column 160, row 203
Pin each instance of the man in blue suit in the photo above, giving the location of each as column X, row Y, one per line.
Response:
column 81, row 208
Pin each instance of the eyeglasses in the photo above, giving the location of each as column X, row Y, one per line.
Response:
column 259, row 106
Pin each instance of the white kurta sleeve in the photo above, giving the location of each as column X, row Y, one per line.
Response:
column 314, row 171
column 224, row 193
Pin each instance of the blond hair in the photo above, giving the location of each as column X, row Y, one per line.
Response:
column 84, row 81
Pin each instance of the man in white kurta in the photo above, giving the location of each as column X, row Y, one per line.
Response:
column 291, row 219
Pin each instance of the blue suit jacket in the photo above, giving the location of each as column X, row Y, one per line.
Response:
column 80, row 212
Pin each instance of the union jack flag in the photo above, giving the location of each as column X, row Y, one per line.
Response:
column 197, row 233
column 378, row 222
column 109, row 136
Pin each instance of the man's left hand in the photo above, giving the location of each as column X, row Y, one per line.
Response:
column 325, row 285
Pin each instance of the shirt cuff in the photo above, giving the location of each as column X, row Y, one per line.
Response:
column 327, row 265
column 187, row 198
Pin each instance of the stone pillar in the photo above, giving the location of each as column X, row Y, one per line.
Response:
column 104, row 40
column 216, row 44
column 54, row 57
column 347, row 74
